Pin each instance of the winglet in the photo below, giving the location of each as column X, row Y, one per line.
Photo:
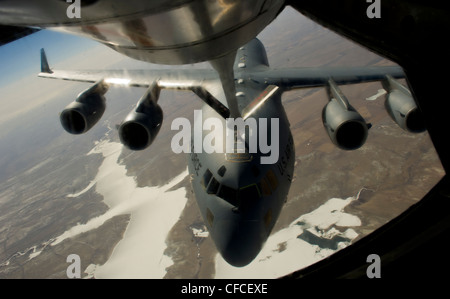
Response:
column 45, row 68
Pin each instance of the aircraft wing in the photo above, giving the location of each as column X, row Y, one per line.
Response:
column 204, row 83
column 176, row 79
column 292, row 78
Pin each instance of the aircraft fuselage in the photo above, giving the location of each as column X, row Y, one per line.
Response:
column 239, row 197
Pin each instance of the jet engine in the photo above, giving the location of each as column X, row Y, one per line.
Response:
column 142, row 125
column 346, row 128
column 82, row 114
column 401, row 106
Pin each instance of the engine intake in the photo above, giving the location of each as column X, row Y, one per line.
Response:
column 346, row 128
column 401, row 107
column 142, row 125
column 82, row 114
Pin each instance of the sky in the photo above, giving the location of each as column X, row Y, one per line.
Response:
column 21, row 58
column 22, row 90
column 29, row 118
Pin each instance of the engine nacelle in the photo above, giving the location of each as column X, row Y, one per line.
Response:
column 401, row 107
column 142, row 125
column 82, row 114
column 346, row 128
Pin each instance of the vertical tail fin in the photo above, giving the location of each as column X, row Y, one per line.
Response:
column 45, row 68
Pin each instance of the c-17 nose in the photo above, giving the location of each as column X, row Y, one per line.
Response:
column 240, row 242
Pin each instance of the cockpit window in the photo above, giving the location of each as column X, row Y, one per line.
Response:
column 228, row 194
column 222, row 170
column 213, row 186
column 249, row 192
column 206, row 178
column 243, row 198
column 248, row 196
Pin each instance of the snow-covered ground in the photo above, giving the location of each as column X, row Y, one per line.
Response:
column 155, row 210
column 308, row 239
